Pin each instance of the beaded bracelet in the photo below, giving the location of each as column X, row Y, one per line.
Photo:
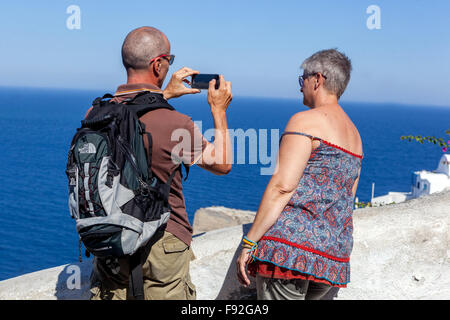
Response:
column 249, row 244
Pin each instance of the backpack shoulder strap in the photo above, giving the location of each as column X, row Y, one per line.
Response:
column 99, row 101
column 148, row 101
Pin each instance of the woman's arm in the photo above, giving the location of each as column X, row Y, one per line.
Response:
column 293, row 157
column 355, row 185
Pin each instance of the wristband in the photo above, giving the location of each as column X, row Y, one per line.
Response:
column 249, row 244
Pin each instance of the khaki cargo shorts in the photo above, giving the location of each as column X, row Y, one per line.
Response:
column 165, row 267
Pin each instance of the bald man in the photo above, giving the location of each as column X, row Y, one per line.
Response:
column 165, row 259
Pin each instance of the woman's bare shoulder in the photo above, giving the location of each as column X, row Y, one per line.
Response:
column 307, row 121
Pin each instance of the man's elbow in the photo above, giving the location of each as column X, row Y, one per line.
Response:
column 224, row 169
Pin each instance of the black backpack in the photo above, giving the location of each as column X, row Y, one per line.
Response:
column 116, row 200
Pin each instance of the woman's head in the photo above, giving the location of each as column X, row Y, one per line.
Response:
column 325, row 70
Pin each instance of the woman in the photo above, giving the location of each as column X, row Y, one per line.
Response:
column 300, row 242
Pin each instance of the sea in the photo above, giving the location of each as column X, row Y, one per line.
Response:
column 36, row 127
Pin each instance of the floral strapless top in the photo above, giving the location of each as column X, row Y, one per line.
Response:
column 313, row 236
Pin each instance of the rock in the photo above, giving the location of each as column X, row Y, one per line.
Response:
column 212, row 218
column 401, row 251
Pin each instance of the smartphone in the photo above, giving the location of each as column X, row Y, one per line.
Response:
column 201, row 81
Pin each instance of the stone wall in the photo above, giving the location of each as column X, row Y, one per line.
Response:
column 401, row 251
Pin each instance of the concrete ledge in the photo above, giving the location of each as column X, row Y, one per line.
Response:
column 212, row 272
column 213, row 218
column 48, row 284
column 400, row 251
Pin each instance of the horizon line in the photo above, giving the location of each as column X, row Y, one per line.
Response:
column 240, row 96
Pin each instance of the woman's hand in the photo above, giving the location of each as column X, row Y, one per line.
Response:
column 241, row 266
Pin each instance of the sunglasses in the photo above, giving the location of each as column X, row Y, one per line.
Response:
column 169, row 57
column 302, row 78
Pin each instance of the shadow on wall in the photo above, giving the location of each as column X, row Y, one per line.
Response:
column 231, row 288
column 73, row 281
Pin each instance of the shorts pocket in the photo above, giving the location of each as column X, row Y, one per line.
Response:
column 191, row 292
column 172, row 244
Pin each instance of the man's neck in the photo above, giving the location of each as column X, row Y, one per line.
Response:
column 139, row 80
column 142, row 77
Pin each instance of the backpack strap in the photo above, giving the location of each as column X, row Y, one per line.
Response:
column 149, row 150
column 149, row 157
column 146, row 97
column 98, row 102
column 148, row 101
column 167, row 186
column 136, row 276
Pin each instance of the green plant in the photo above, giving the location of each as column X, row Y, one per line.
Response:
column 363, row 204
column 432, row 139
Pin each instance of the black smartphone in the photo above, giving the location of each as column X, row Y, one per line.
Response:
column 201, row 81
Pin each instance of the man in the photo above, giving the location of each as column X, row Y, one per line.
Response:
column 166, row 258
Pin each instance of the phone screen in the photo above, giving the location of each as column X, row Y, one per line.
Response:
column 201, row 81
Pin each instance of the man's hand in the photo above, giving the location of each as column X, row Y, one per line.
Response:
column 218, row 156
column 175, row 88
column 219, row 99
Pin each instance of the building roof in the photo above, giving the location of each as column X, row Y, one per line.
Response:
column 444, row 165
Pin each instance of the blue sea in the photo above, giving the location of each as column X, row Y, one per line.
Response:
column 37, row 125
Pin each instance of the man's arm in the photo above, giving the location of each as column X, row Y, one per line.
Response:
column 217, row 156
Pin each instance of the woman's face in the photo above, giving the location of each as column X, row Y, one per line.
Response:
column 308, row 90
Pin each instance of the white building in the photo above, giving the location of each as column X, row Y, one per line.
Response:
column 423, row 183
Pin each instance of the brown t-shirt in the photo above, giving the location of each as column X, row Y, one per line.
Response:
column 188, row 144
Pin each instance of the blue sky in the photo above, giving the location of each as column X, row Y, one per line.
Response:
column 258, row 45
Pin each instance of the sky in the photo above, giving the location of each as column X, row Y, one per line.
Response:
column 258, row 45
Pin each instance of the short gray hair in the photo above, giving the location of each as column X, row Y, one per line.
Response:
column 141, row 45
column 334, row 65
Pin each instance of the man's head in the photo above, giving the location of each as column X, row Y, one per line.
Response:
column 141, row 56
column 327, row 70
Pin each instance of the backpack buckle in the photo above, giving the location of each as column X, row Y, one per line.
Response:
column 144, row 192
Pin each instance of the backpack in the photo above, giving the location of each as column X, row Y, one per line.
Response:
column 117, row 202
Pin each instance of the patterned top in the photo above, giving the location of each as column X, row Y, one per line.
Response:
column 313, row 236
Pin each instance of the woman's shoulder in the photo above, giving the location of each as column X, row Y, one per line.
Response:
column 311, row 113
column 328, row 124
column 308, row 121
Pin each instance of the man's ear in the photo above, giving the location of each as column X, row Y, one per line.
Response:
column 156, row 67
